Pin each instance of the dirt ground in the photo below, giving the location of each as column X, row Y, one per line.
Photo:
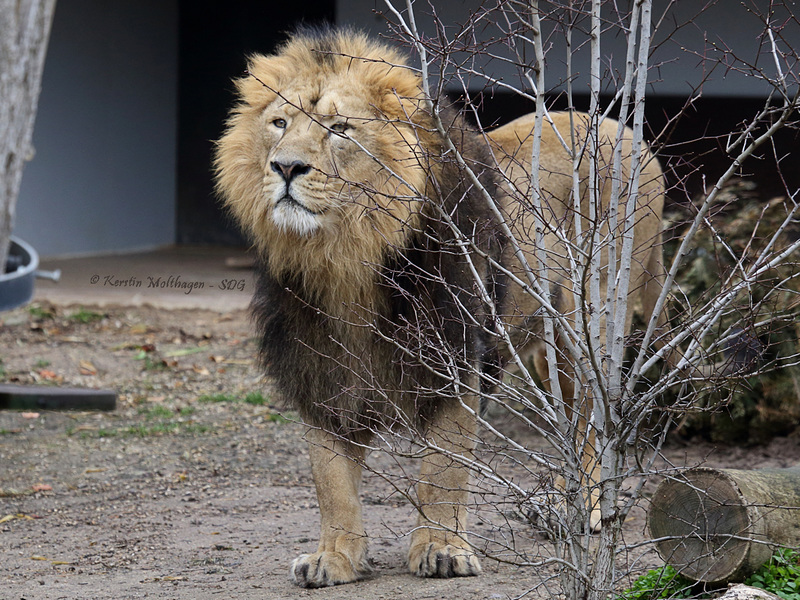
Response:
column 183, row 493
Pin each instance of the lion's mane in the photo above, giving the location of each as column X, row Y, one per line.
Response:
column 349, row 314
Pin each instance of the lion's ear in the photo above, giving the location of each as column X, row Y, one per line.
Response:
column 260, row 85
column 398, row 93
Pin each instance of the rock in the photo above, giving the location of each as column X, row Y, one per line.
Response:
column 747, row 592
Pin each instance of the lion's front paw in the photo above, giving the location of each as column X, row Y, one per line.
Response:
column 436, row 559
column 322, row 569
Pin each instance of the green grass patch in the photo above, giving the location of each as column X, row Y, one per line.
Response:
column 165, row 428
column 145, row 430
column 155, row 429
column 657, row 584
column 253, row 398
column 215, row 398
column 781, row 575
column 155, row 412
column 256, row 399
column 158, row 421
column 195, row 428
column 84, row 316
column 42, row 363
column 88, row 435
column 40, row 313
column 151, row 362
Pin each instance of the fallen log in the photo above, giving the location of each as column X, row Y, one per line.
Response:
column 718, row 525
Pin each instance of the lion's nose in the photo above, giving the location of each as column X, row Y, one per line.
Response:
column 291, row 170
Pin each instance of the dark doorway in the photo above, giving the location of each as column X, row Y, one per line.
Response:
column 215, row 38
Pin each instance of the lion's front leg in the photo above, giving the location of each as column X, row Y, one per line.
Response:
column 439, row 546
column 342, row 553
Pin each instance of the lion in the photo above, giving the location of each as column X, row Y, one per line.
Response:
column 373, row 312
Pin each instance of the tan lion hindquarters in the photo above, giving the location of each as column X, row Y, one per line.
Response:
column 513, row 148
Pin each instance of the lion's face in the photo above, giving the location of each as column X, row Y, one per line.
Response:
column 324, row 160
column 324, row 149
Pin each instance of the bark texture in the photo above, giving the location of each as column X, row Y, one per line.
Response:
column 24, row 30
column 722, row 524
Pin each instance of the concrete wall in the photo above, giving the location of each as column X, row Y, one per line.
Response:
column 103, row 176
column 680, row 69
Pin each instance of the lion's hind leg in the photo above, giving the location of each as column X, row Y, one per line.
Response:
column 439, row 547
column 585, row 437
column 342, row 553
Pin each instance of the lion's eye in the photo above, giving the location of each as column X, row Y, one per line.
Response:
column 279, row 123
column 339, row 127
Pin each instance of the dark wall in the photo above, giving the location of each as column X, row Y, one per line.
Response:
column 215, row 37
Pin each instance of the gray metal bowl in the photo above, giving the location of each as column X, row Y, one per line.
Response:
column 16, row 286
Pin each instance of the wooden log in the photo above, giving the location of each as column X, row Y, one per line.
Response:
column 717, row 525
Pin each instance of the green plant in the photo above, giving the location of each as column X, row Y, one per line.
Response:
column 151, row 359
column 195, row 428
column 256, row 399
column 214, row 398
column 253, row 398
column 781, row 575
column 142, row 430
column 154, row 364
column 42, row 363
column 659, row 583
column 156, row 412
column 85, row 316
column 40, row 313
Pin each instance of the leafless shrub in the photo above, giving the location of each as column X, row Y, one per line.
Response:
column 619, row 379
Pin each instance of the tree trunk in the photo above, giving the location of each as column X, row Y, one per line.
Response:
column 722, row 524
column 24, row 30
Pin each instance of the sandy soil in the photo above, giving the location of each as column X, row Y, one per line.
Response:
column 175, row 496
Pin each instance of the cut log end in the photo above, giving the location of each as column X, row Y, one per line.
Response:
column 702, row 525
column 715, row 525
